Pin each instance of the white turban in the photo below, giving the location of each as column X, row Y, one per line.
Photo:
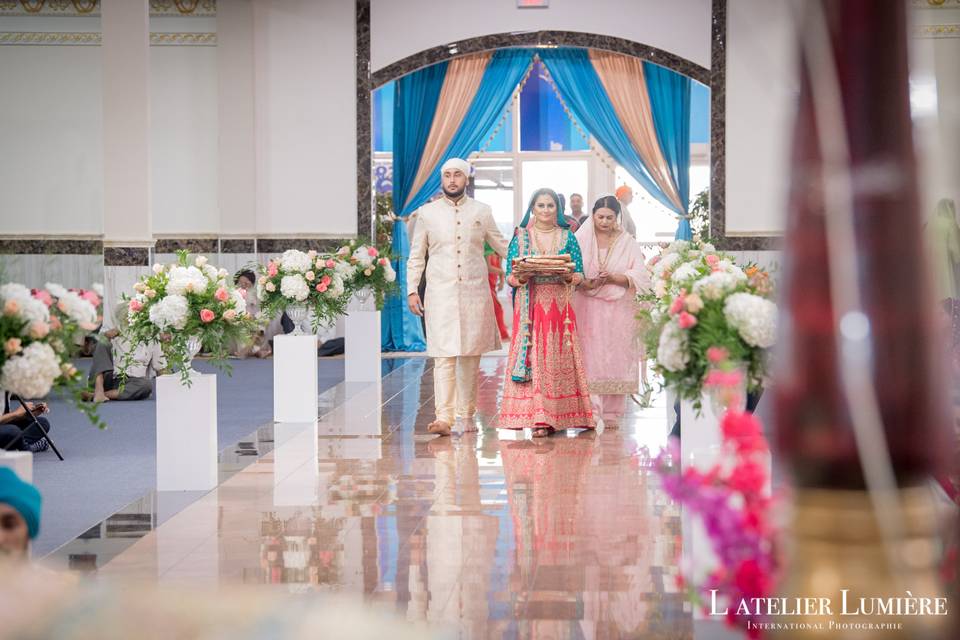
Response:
column 457, row 164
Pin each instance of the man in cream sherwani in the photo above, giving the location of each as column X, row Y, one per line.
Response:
column 459, row 311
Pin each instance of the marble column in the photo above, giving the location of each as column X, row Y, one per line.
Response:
column 127, row 230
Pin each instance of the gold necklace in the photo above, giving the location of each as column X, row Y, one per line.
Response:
column 553, row 239
column 610, row 245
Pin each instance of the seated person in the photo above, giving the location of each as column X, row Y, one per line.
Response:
column 18, row 432
column 19, row 515
column 104, row 376
column 259, row 344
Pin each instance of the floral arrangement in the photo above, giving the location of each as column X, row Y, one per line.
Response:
column 316, row 282
column 700, row 299
column 184, row 303
column 373, row 269
column 37, row 329
column 731, row 501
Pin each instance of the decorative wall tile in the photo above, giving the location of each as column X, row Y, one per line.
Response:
column 193, row 245
column 40, row 245
column 237, row 245
column 126, row 257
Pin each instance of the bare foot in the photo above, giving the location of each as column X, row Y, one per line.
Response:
column 100, row 397
column 439, row 428
column 469, row 425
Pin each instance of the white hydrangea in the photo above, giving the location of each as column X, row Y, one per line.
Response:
column 294, row 287
column 32, row 373
column 755, row 318
column 363, row 257
column 239, row 302
column 210, row 271
column 677, row 246
column 666, row 262
column 78, row 309
column 684, row 272
column 715, row 285
column 294, row 260
column 185, row 280
column 31, row 309
column 337, row 286
column 672, row 349
column 97, row 288
column 14, row 291
column 731, row 268
column 345, row 270
column 56, row 290
column 706, row 247
column 170, row 312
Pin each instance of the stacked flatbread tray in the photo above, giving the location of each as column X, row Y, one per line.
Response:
column 543, row 265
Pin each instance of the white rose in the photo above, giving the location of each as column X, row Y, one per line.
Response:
column 223, row 273
column 390, row 274
column 270, row 287
column 158, row 268
column 56, row 290
column 200, row 261
column 715, row 285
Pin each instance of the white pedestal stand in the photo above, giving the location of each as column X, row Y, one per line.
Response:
column 20, row 461
column 186, row 433
column 700, row 439
column 362, row 342
column 295, row 378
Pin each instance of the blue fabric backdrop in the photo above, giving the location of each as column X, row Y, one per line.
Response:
column 670, row 103
column 583, row 92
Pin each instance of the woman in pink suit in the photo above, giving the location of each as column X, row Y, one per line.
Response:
column 606, row 307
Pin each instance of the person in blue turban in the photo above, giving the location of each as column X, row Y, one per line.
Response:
column 19, row 515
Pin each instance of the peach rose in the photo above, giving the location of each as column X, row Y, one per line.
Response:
column 39, row 330
column 310, row 276
column 11, row 308
column 230, row 315
column 55, row 323
column 12, row 346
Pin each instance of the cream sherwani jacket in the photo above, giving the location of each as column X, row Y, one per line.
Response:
column 458, row 305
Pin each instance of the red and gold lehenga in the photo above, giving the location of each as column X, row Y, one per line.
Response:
column 545, row 383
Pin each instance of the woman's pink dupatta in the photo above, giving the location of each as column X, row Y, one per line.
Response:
column 625, row 257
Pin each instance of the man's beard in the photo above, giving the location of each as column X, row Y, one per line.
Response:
column 453, row 195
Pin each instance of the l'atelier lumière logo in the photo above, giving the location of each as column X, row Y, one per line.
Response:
column 850, row 607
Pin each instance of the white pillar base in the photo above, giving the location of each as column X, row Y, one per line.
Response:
column 295, row 379
column 700, row 440
column 20, row 461
column 362, row 344
column 296, row 470
column 186, row 433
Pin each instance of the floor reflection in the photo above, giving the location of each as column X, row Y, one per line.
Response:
column 566, row 537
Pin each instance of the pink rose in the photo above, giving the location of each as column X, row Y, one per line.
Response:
column 271, row 268
column 206, row 315
column 677, row 305
column 717, row 354
column 135, row 305
column 384, row 262
column 686, row 320
column 325, row 280
column 331, row 264
column 43, row 296
column 12, row 346
column 322, row 286
column 373, row 252
column 712, row 260
column 91, row 297
column 39, row 330
column 222, row 294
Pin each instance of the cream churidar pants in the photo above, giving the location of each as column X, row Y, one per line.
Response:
column 455, row 387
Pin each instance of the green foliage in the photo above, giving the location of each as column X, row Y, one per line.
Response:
column 700, row 214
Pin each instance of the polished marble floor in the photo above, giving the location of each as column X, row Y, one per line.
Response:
column 472, row 535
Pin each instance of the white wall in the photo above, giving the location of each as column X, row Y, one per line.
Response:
column 51, row 141
column 400, row 28
column 183, row 140
column 761, row 100
column 305, row 117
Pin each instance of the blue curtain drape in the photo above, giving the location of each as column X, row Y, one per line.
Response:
column 415, row 103
column 584, row 94
column 506, row 69
column 414, row 106
column 670, row 103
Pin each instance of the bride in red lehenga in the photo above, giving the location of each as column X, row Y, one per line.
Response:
column 545, row 386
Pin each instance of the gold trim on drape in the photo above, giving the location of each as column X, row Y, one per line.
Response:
column 460, row 85
column 625, row 83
